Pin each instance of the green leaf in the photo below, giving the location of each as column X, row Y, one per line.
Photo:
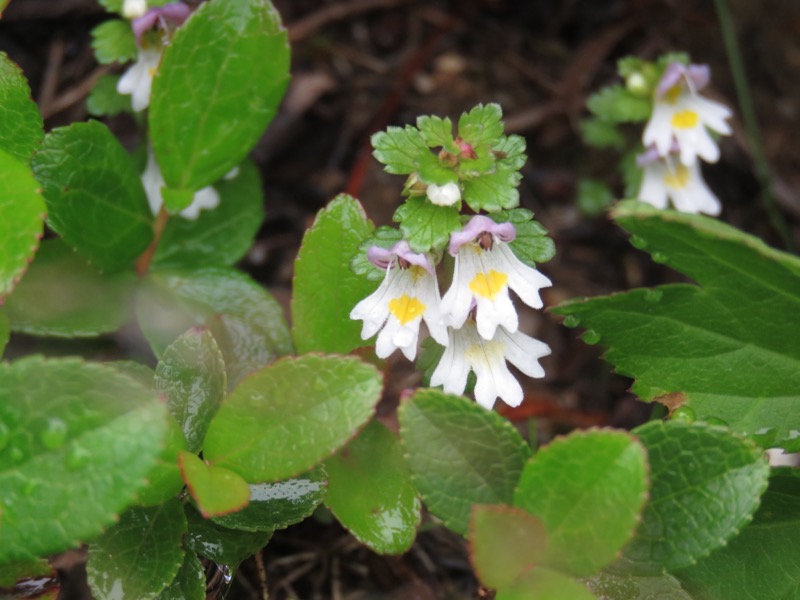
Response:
column 610, row 586
column 95, row 199
column 400, row 149
column 21, row 127
column 371, row 493
column 543, row 584
column 191, row 374
column 4, row 332
column 277, row 505
column 325, row 289
column 288, row 417
column 617, row 104
column 21, row 227
column 189, row 583
column 601, row 133
column 114, row 41
column 66, row 425
column 105, row 101
column 482, row 125
column 588, row 489
column 459, row 454
column 217, row 237
column 510, row 152
column 61, row 295
column 437, row 132
column 164, row 480
column 224, row 546
column 35, row 568
column 216, row 490
column 728, row 344
column 493, row 191
column 531, row 245
column 706, row 485
column 505, row 543
column 139, row 556
column 762, row 562
column 631, row 173
column 425, row 225
column 246, row 321
column 384, row 237
column 207, row 76
column 594, row 197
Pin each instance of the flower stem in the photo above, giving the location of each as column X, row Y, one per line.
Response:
column 143, row 262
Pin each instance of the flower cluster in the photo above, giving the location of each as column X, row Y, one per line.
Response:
column 676, row 136
column 475, row 320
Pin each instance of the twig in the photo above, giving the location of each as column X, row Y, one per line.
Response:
column 74, row 94
column 143, row 263
column 262, row 575
column 52, row 70
column 307, row 26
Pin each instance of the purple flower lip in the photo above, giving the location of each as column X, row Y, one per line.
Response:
column 698, row 75
column 505, row 232
column 651, row 154
column 176, row 12
column 384, row 259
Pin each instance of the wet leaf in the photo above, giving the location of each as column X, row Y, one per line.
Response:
column 216, row 490
column 224, row 546
column 21, row 127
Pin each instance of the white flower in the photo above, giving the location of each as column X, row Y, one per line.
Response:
column 408, row 294
column 467, row 351
column 134, row 8
column 444, row 195
column 680, row 114
column 485, row 269
column 138, row 79
column 668, row 178
column 153, row 181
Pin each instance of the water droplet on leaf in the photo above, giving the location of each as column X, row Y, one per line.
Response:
column 653, row 295
column 54, row 434
column 660, row 257
column 717, row 422
column 77, row 457
column 591, row 337
column 684, row 414
column 638, row 242
column 571, row 321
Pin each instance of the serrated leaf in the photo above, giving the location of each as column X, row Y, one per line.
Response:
column 617, row 104
column 728, row 345
column 542, row 583
column 105, row 101
column 601, row 133
column 325, row 289
column 371, row 493
column 762, row 562
column 531, row 245
column 191, row 374
column 492, row 191
column 217, row 491
column 425, row 225
column 68, row 425
column 21, row 227
column 505, row 543
column 206, row 75
column 437, row 132
column 21, row 127
column 610, row 586
column 95, row 199
column 224, row 546
column 399, row 149
column 384, row 237
column 277, row 505
column 189, row 583
column 510, row 152
column 289, row 416
column 246, row 321
column 217, row 237
column 114, row 41
column 139, row 556
column 62, row 295
column 432, row 169
column 459, row 454
column 482, row 125
column 588, row 489
column 706, row 485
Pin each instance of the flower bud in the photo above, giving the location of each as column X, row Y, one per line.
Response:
column 444, row 195
column 132, row 9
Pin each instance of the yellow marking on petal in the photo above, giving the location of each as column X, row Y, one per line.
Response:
column 673, row 93
column 685, row 119
column 406, row 308
column 678, row 178
column 488, row 284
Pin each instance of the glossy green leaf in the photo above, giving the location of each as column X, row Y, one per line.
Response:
column 706, row 484
column 216, row 490
column 459, row 454
column 371, row 493
column 763, row 561
column 610, row 586
column 206, row 76
column 191, row 374
column 224, row 546
column 588, row 489
column 217, row 237
column 277, row 505
column 728, row 345
column 164, row 480
column 246, row 321
column 505, row 543
column 139, row 556
column 62, row 295
column 325, row 289
column 105, row 101
column 21, row 128
column 21, row 227
column 95, row 199
column 114, row 41
column 291, row 415
column 189, row 583
column 65, row 426
column 544, row 584
column 425, row 225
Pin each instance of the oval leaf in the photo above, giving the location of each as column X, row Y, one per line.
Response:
column 459, row 454
column 206, row 75
column 542, row 583
column 164, row 480
column 21, row 127
column 588, row 489
column 371, row 493
column 288, row 417
column 189, row 583
column 226, row 547
column 216, row 490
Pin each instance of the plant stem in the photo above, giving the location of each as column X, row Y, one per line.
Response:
column 143, row 262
